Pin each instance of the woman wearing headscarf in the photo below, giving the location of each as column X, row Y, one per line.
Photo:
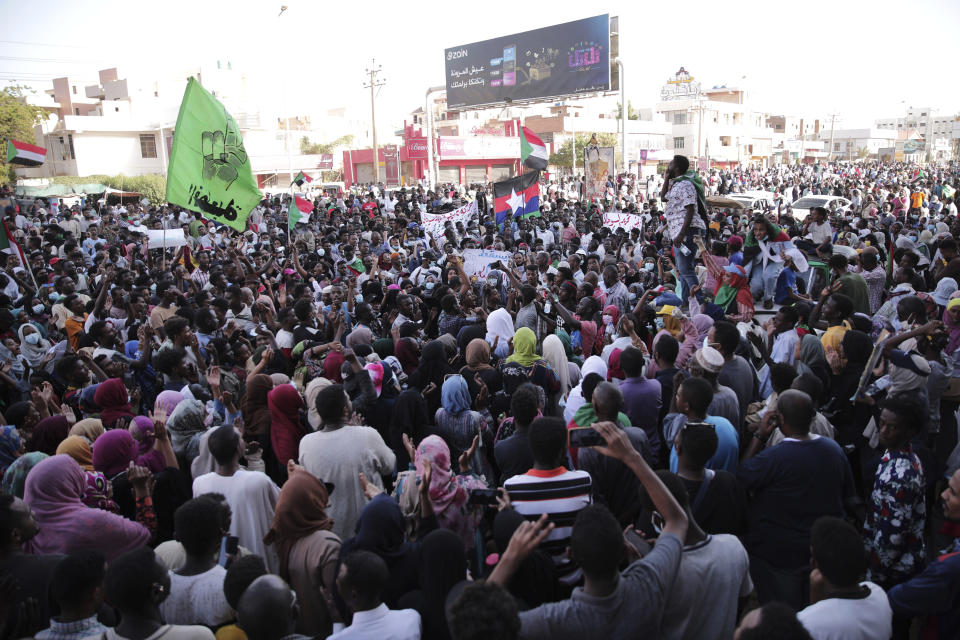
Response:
column 114, row 402
column 477, row 357
column 11, row 446
column 410, row 418
column 703, row 323
column 256, row 418
column 499, row 332
column 166, row 402
column 526, row 359
column 575, row 399
column 89, row 428
column 285, row 403
column 850, row 418
column 809, row 358
column 556, row 357
column 429, row 376
column 154, row 450
column 99, row 490
column 49, row 433
column 459, row 425
column 314, row 387
column 442, row 566
column 15, row 477
column 113, row 452
column 186, row 425
column 33, row 348
column 732, row 294
column 450, row 492
column 54, row 491
column 308, row 549
column 762, row 255
column 381, row 530
column 408, row 353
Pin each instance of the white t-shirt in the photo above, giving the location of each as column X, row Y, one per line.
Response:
column 166, row 632
column 869, row 618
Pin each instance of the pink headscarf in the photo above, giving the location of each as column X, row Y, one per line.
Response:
column 168, row 401
column 114, row 451
column 114, row 401
column 375, row 369
column 54, row 489
column 449, row 492
column 143, row 432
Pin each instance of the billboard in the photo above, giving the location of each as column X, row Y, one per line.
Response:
column 564, row 59
column 489, row 147
column 417, row 148
column 326, row 161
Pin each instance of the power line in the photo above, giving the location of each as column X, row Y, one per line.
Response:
column 54, row 60
column 45, row 44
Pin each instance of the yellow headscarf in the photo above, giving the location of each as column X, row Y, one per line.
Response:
column 524, row 347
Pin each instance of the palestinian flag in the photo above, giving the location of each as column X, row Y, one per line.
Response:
column 9, row 245
column 300, row 178
column 519, row 196
column 25, row 155
column 298, row 210
column 532, row 150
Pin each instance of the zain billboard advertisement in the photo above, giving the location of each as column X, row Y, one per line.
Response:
column 564, row 59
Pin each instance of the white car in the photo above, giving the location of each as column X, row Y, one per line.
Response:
column 801, row 208
column 755, row 200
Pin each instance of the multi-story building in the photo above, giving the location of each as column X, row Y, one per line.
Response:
column 936, row 128
column 117, row 124
column 717, row 126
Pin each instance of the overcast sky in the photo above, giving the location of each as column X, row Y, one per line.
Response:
column 863, row 60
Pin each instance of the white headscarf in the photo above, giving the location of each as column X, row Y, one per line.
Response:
column 554, row 354
column 500, row 325
column 575, row 400
column 33, row 353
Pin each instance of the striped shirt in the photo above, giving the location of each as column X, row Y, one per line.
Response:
column 560, row 494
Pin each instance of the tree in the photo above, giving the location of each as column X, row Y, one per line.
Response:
column 563, row 156
column 632, row 114
column 17, row 120
column 307, row 147
column 151, row 186
column 863, row 152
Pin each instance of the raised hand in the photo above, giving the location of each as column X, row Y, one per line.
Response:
column 464, row 460
column 369, row 489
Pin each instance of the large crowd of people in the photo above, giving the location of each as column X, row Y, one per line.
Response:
column 719, row 423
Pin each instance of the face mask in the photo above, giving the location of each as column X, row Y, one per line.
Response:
column 659, row 322
column 320, row 252
column 607, row 319
column 913, row 238
column 358, row 298
column 37, row 310
column 54, row 297
column 632, row 296
column 153, row 288
column 648, row 266
column 429, row 286
column 492, row 282
column 33, row 338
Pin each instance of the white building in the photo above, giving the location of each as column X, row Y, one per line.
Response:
column 115, row 125
column 718, row 126
column 936, row 128
column 853, row 144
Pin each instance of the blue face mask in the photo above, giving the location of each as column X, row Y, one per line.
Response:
column 358, row 298
column 153, row 288
column 54, row 297
column 659, row 322
column 428, row 286
column 37, row 309
column 648, row 266
column 633, row 296
column 320, row 252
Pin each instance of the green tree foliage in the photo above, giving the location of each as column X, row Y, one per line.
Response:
column 562, row 157
column 17, row 120
column 307, row 147
column 152, row 186
column 632, row 114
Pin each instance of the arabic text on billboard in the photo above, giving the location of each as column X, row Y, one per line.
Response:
column 564, row 59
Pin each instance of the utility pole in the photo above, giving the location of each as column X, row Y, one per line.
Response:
column 833, row 119
column 373, row 84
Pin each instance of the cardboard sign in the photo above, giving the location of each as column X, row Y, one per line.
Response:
column 476, row 262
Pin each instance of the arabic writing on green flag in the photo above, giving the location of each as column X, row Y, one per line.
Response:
column 209, row 169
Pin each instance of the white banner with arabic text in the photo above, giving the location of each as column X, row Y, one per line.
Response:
column 629, row 221
column 433, row 223
column 476, row 262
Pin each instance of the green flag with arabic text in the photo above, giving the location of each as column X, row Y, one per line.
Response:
column 209, row 169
